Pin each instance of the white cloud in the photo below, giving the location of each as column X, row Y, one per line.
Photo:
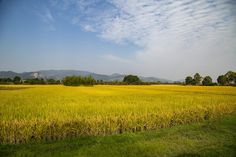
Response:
column 138, row 21
column 175, row 37
column 89, row 28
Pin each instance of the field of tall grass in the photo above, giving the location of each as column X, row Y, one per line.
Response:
column 55, row 112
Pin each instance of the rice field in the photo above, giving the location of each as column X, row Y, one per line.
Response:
column 55, row 112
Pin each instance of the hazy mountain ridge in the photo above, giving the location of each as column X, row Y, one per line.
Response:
column 60, row 74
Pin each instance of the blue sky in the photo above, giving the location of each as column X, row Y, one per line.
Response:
column 162, row 38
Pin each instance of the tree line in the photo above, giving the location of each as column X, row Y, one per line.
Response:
column 89, row 81
column 76, row 81
column 33, row 81
column 227, row 79
column 224, row 80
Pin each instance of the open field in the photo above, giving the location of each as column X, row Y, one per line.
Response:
column 47, row 113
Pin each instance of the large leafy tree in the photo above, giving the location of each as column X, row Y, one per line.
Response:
column 207, row 81
column 131, row 79
column 222, row 80
column 197, row 79
column 231, row 77
column 16, row 80
column 188, row 80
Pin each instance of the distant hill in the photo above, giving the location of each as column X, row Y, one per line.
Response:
column 60, row 74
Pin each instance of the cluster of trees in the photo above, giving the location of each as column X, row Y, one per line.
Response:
column 195, row 80
column 127, row 80
column 15, row 80
column 18, row 80
column 228, row 79
column 78, row 80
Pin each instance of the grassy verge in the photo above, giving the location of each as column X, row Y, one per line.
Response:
column 211, row 138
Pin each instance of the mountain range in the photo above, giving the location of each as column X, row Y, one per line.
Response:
column 60, row 74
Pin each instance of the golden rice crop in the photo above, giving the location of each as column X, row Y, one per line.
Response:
column 33, row 113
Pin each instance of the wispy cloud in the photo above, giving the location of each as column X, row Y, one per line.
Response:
column 142, row 21
column 48, row 19
column 183, row 36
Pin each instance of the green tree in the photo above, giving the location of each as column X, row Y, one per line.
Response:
column 78, row 80
column 231, row 77
column 188, row 80
column 132, row 79
column 197, row 78
column 16, row 80
column 207, row 81
column 193, row 82
column 222, row 80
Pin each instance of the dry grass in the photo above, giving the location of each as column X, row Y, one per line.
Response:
column 56, row 112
